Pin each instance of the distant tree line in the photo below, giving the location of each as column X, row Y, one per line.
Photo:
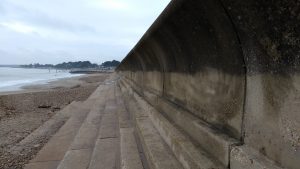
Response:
column 76, row 65
column 113, row 63
column 73, row 65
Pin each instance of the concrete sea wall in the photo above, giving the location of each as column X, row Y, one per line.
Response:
column 234, row 65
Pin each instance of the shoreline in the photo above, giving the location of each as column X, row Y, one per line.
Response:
column 21, row 112
column 14, row 79
column 66, row 82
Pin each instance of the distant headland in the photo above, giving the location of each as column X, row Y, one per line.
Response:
column 73, row 65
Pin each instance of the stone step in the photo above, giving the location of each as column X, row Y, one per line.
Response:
column 247, row 158
column 48, row 129
column 106, row 152
column 79, row 153
column 185, row 149
column 122, row 133
column 76, row 159
column 215, row 143
column 157, row 152
column 130, row 154
column 53, row 152
column 211, row 140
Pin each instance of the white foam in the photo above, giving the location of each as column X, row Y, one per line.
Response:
column 12, row 79
column 17, row 82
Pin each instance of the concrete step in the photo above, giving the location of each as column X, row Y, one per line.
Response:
column 131, row 157
column 173, row 123
column 157, row 152
column 46, row 130
column 57, row 148
column 91, row 137
column 120, row 133
column 79, row 153
column 185, row 149
column 53, row 152
column 247, row 158
column 211, row 140
column 106, row 153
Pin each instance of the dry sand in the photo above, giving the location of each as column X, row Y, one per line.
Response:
column 24, row 111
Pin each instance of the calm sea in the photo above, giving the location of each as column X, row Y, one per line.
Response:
column 12, row 79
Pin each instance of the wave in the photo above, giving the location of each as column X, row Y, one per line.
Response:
column 17, row 82
column 8, row 85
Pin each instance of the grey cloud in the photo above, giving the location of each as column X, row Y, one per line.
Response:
column 38, row 18
column 76, row 31
column 41, row 19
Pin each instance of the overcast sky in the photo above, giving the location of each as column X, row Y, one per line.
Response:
column 54, row 31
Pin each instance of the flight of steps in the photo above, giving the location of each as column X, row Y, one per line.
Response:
column 98, row 135
column 115, row 128
column 173, row 138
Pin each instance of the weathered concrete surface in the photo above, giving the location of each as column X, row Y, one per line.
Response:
column 80, row 151
column 76, row 159
column 245, row 158
column 43, row 165
column 53, row 152
column 129, row 150
column 184, row 56
column 91, row 137
column 215, row 142
column 55, row 149
column 189, row 155
column 232, row 64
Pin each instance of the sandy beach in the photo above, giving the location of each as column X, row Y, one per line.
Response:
column 23, row 111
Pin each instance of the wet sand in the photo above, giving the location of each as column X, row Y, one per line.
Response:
column 21, row 112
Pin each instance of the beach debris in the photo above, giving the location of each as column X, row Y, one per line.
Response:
column 44, row 106
column 36, row 146
column 74, row 87
column 56, row 108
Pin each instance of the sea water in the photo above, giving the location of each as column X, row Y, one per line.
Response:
column 12, row 79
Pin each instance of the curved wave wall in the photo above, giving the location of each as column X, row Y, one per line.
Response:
column 234, row 64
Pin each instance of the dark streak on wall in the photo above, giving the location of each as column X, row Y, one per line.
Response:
column 234, row 64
